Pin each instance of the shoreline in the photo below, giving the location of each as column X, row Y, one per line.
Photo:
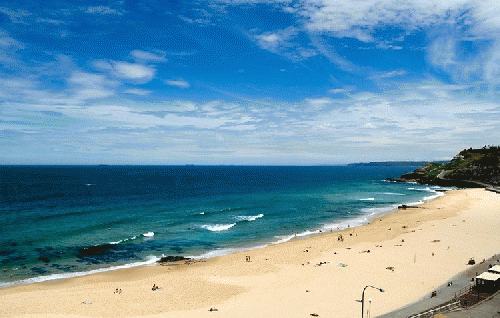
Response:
column 291, row 279
column 359, row 221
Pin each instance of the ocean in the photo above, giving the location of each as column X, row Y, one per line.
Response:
column 66, row 221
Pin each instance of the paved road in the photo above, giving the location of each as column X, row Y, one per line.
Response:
column 446, row 293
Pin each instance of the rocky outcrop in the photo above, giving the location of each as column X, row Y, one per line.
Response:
column 171, row 259
column 471, row 168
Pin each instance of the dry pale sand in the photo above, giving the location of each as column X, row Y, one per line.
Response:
column 411, row 252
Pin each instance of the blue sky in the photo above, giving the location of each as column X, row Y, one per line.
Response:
column 284, row 82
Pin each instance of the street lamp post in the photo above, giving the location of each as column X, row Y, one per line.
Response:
column 363, row 298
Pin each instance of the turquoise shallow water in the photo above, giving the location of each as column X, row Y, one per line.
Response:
column 62, row 221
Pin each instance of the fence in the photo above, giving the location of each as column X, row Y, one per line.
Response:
column 443, row 308
column 463, row 291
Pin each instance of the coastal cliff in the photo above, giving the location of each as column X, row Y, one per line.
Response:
column 469, row 168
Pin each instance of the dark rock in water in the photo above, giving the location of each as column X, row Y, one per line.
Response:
column 39, row 270
column 404, row 207
column 96, row 250
column 170, row 259
column 13, row 259
column 44, row 259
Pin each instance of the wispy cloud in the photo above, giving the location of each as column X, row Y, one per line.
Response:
column 179, row 83
column 50, row 21
column 102, row 10
column 305, row 80
column 277, row 40
column 16, row 16
column 134, row 72
column 137, row 91
column 148, row 56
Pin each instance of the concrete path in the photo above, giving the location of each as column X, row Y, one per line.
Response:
column 487, row 309
column 446, row 293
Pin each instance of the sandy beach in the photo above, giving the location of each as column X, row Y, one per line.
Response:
column 408, row 253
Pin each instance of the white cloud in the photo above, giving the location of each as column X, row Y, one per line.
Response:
column 50, row 21
column 90, row 86
column 344, row 90
column 393, row 74
column 137, row 91
column 443, row 87
column 129, row 117
column 318, row 103
column 199, row 21
column 15, row 16
column 338, row 91
column 7, row 42
column 357, row 20
column 492, row 66
column 238, row 2
column 92, row 93
column 8, row 49
column 239, row 127
column 148, row 56
column 442, row 52
column 390, row 74
column 181, row 106
column 102, row 65
column 90, row 79
column 277, row 40
column 102, row 10
column 179, row 83
column 135, row 72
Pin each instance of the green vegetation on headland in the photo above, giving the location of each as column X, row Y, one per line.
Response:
column 469, row 168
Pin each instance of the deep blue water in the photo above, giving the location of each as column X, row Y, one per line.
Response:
column 59, row 221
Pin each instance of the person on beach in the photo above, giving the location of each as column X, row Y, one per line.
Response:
column 154, row 287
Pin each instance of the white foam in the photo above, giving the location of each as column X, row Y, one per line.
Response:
column 150, row 260
column 283, row 238
column 202, row 212
column 286, row 238
column 224, row 251
column 424, row 189
column 124, row 240
column 380, row 210
column 149, row 234
column 347, row 223
column 393, row 193
column 367, row 199
column 217, row 227
column 432, row 197
column 249, row 218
